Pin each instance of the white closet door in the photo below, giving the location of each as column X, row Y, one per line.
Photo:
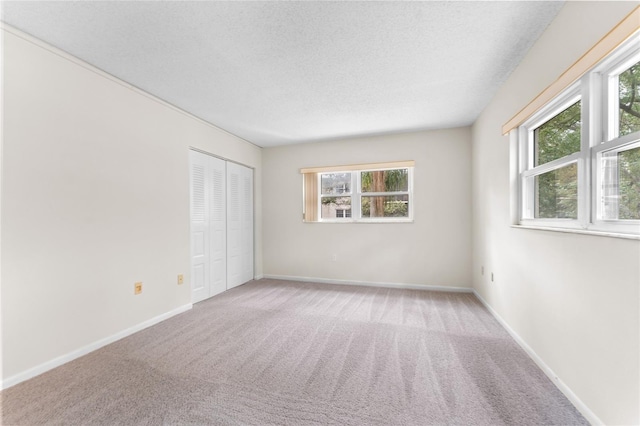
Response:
column 247, row 225
column 239, row 224
column 208, row 226
column 218, row 226
column 200, row 240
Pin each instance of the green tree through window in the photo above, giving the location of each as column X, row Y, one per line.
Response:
column 629, row 95
column 557, row 191
column 559, row 136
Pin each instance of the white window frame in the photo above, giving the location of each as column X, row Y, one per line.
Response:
column 599, row 115
column 528, row 172
column 357, row 194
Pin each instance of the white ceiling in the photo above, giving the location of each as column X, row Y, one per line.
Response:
column 288, row 72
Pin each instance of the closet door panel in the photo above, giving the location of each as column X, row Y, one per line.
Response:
column 217, row 225
column 247, row 225
column 234, row 226
column 199, row 211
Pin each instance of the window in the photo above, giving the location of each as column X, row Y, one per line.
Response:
column 579, row 155
column 335, row 195
column 359, row 193
column 384, row 193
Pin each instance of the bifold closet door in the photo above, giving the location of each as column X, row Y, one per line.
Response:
column 208, row 225
column 239, row 224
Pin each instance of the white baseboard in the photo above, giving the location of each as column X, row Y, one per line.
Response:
column 577, row 402
column 370, row 284
column 63, row 359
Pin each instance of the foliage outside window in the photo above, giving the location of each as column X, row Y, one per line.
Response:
column 571, row 176
column 361, row 193
column 629, row 100
column 385, row 193
column 556, row 190
column 558, row 137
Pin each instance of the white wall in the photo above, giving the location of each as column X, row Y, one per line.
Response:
column 434, row 250
column 574, row 299
column 95, row 196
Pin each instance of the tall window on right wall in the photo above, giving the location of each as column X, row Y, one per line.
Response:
column 579, row 155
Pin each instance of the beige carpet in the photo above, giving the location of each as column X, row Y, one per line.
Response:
column 277, row 352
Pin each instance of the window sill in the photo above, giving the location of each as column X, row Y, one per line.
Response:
column 580, row 231
column 358, row 222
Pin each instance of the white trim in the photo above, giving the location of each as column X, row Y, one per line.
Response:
column 373, row 220
column 580, row 231
column 63, row 359
column 61, row 53
column 577, row 402
column 370, row 284
column 2, row 47
column 515, row 205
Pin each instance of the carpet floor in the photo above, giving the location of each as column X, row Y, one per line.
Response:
column 289, row 353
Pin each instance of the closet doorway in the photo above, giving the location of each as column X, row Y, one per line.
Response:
column 221, row 224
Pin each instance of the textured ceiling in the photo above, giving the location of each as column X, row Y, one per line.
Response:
column 288, row 72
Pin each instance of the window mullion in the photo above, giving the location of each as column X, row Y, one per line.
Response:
column 588, row 109
column 384, row 194
column 319, row 192
column 611, row 116
column 356, row 198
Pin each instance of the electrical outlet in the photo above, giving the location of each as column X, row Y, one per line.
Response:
column 334, row 257
column 180, row 279
column 137, row 288
column 492, row 277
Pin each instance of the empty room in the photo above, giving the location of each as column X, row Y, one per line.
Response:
column 320, row 213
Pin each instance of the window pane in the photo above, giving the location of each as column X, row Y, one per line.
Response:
column 557, row 193
column 385, row 206
column 621, row 185
column 334, row 207
column 629, row 181
column 385, row 180
column 629, row 96
column 336, row 183
column 558, row 137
